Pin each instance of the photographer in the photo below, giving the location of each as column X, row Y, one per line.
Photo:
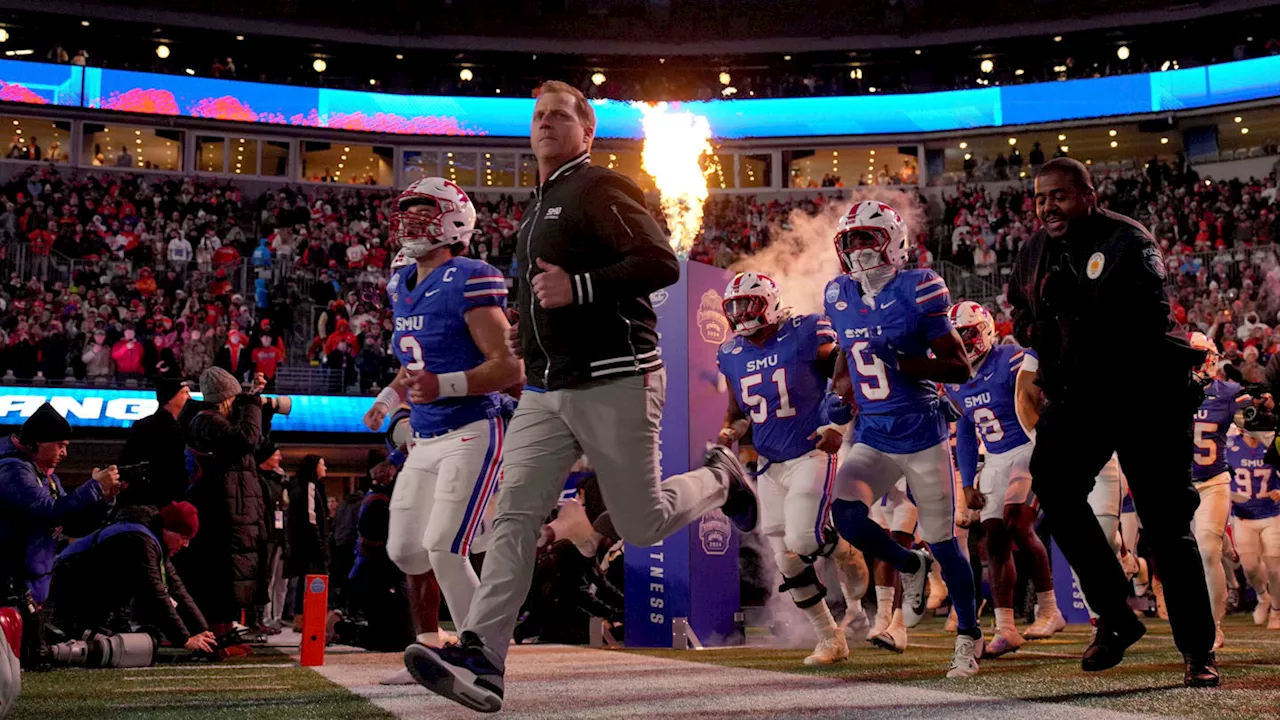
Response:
column 121, row 576
column 221, row 566
column 34, row 508
column 158, row 441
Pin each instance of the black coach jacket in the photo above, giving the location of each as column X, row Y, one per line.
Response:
column 1092, row 305
column 593, row 223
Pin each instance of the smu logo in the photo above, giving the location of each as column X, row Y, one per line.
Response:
column 409, row 324
column 714, row 531
column 762, row 363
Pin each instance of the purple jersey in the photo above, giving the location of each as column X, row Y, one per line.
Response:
column 986, row 407
column 896, row 414
column 1211, row 423
column 431, row 332
column 778, row 385
column 1252, row 478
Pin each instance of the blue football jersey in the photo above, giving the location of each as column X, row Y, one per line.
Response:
column 1252, row 478
column 986, row 407
column 431, row 332
column 1211, row 423
column 778, row 386
column 896, row 414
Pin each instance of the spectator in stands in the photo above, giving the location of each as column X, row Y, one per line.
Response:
column 41, row 244
column 1037, row 157
column 267, row 358
column 1251, row 369
column 223, row 431
column 179, row 253
column 125, row 158
column 24, row 353
column 81, row 58
column 307, row 524
column 55, row 352
column 97, row 357
column 197, row 352
column 128, row 354
column 57, row 55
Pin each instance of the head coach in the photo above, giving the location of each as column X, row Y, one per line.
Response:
column 589, row 254
column 1088, row 295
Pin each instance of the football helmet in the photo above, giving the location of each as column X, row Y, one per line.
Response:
column 976, row 327
column 449, row 219
column 1209, row 370
column 871, row 239
column 751, row 302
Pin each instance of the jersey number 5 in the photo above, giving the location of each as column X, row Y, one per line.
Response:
column 1210, row 455
column 759, row 405
column 410, row 344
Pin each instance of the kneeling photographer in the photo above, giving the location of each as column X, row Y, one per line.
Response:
column 120, row 578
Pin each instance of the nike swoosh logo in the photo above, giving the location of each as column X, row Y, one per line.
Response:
column 784, row 337
column 887, row 304
column 429, row 293
column 987, row 377
column 473, row 437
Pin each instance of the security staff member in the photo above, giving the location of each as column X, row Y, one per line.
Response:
column 1088, row 295
column 589, row 255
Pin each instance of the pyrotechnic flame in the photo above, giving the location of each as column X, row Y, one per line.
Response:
column 674, row 143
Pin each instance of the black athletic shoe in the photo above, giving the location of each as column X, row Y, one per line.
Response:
column 1109, row 643
column 1202, row 671
column 741, row 506
column 462, row 673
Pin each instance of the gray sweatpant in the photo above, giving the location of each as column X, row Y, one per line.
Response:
column 616, row 424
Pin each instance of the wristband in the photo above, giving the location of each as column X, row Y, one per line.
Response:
column 389, row 397
column 453, row 384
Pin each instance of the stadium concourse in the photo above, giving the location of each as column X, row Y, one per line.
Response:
column 1042, row 681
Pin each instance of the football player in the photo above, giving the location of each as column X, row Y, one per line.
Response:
column 1255, row 513
column 450, row 339
column 777, row 368
column 987, row 406
column 893, row 329
column 1210, row 472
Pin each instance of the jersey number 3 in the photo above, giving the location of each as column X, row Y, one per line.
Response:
column 410, row 344
column 759, row 405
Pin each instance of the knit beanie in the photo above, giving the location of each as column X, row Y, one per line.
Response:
column 46, row 425
column 182, row 518
column 217, row 385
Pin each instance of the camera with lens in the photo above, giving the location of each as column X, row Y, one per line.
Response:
column 280, row 404
column 126, row 650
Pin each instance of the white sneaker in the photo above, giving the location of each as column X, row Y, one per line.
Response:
column 1273, row 622
column 399, row 677
column 894, row 637
column 1262, row 613
column 832, row 648
column 964, row 662
column 1046, row 625
column 914, row 584
column 1003, row 642
column 1218, row 639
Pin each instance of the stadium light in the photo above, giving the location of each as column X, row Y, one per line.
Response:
column 1164, row 141
column 4, row 35
column 1019, row 72
column 967, row 156
column 917, row 51
column 1239, row 119
column 319, row 65
column 1112, row 133
column 1013, row 141
column 598, row 79
column 725, row 79
column 987, row 66
column 964, row 145
column 399, row 56
column 466, row 75
column 1115, row 144
column 84, row 23
column 1122, row 52
column 1057, row 38
column 1244, row 131
column 189, row 71
column 1063, row 148
column 240, row 37
column 1061, row 137
column 1164, row 66
column 871, row 89
column 162, row 51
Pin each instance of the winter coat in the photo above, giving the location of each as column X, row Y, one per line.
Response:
column 97, row 360
column 221, row 565
column 123, row 572
column 196, row 356
column 32, row 509
column 128, row 355
column 307, row 528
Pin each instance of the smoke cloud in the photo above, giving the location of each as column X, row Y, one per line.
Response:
column 802, row 259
